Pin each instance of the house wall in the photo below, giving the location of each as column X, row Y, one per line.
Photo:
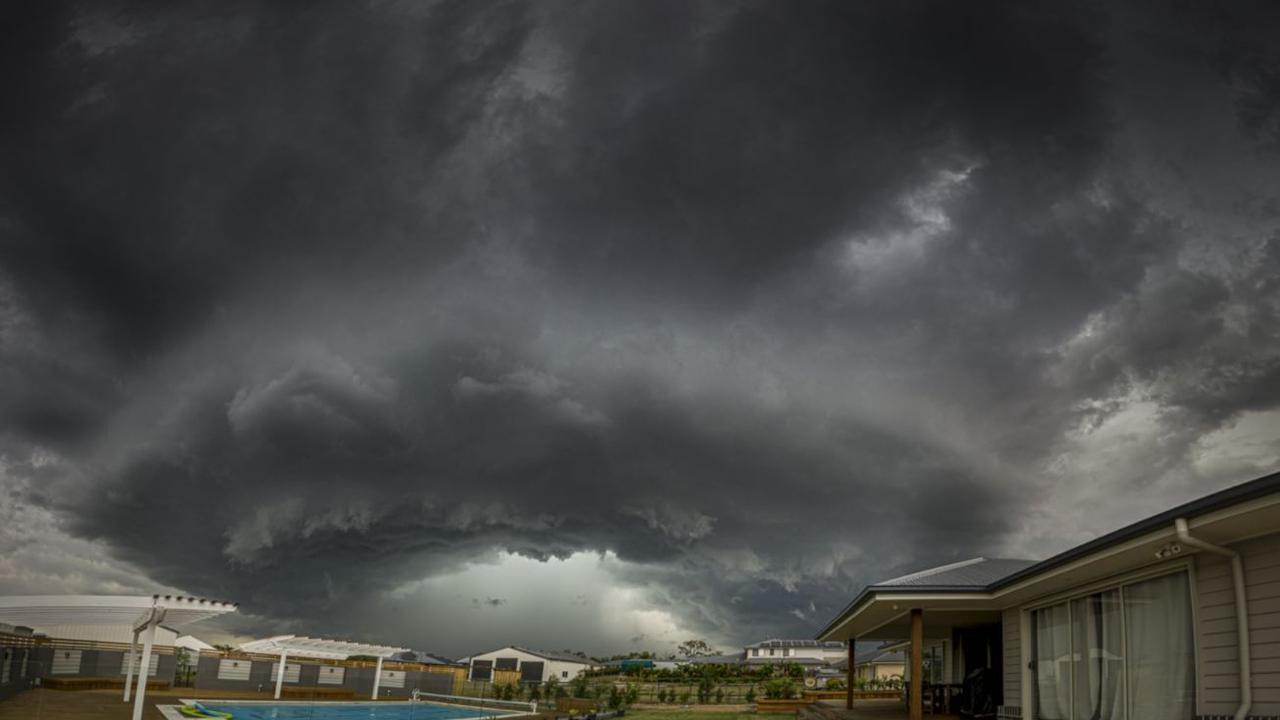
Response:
column 359, row 680
column 816, row 653
column 881, row 670
column 13, row 653
column 1213, row 599
column 1011, row 627
column 1218, row 676
column 559, row 669
column 99, row 663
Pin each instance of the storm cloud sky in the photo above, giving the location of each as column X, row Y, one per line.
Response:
column 605, row 325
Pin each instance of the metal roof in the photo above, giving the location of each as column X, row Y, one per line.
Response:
column 318, row 647
column 826, row 645
column 968, row 579
column 880, row 656
column 564, row 657
column 976, row 572
column 135, row 611
column 731, row 659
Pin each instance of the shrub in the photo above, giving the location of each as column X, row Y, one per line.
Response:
column 751, row 694
column 835, row 684
column 719, row 695
column 684, row 697
column 705, row 686
column 779, row 689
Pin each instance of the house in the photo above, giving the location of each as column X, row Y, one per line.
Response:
column 733, row 659
column 532, row 665
column 880, row 664
column 802, row 652
column 1175, row 617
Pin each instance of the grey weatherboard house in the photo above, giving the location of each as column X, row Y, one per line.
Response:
column 1176, row 617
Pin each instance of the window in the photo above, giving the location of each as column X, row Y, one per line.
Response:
column 65, row 662
column 564, row 673
column 152, row 667
column 481, row 669
column 755, row 652
column 234, row 669
column 933, row 663
column 770, row 652
column 786, row 652
column 1121, row 654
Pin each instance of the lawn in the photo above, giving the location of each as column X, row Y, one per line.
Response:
column 682, row 714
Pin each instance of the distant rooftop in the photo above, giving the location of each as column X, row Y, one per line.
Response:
column 829, row 645
column 976, row 572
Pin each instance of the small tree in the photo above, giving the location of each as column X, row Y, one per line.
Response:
column 719, row 695
column 751, row 694
column 705, row 686
column 694, row 648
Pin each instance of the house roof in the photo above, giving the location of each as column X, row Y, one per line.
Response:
column 425, row 658
column 549, row 655
column 785, row 661
column 983, row 575
column 775, row 643
column 880, row 657
column 975, row 572
column 714, row 659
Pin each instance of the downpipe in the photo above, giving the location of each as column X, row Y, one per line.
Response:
column 1242, row 611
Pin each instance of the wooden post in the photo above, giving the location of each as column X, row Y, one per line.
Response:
column 849, row 675
column 916, row 701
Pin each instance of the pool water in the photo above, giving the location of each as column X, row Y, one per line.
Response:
column 347, row 711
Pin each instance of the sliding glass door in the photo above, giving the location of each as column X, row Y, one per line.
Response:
column 1125, row 653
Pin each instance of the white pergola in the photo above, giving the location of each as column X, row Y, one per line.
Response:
column 322, row 648
column 138, row 612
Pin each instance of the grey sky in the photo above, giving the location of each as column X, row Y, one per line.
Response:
column 604, row 325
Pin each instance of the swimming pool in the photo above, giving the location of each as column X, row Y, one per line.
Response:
column 346, row 711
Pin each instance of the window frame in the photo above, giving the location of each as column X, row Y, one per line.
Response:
column 1113, row 582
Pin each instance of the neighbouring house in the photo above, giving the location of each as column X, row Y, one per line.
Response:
column 1175, row 617
column 425, row 658
column 532, row 665
column 733, row 659
column 878, row 664
column 803, row 652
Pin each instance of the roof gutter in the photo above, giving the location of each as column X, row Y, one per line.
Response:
column 1242, row 611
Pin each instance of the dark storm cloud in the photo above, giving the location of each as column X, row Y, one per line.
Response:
column 767, row 300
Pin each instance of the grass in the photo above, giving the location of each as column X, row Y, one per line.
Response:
column 682, row 714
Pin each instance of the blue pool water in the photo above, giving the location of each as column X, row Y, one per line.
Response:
column 347, row 711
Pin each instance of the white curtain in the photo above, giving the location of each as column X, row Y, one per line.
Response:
column 1098, row 657
column 1158, row 623
column 1052, row 633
